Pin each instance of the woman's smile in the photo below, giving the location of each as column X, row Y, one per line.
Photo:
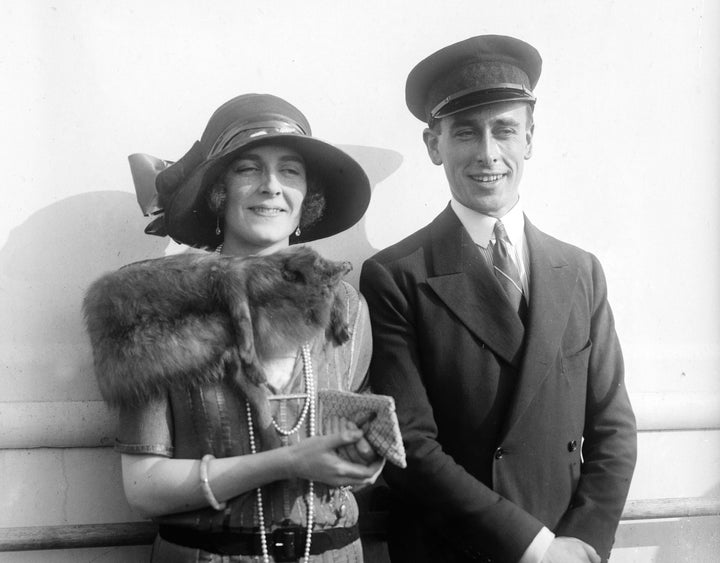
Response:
column 266, row 211
column 266, row 186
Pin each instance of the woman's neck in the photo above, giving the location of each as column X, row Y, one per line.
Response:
column 279, row 371
column 236, row 247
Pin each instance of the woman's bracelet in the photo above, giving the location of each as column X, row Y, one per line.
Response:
column 205, row 484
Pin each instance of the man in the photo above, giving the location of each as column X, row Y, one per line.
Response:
column 497, row 343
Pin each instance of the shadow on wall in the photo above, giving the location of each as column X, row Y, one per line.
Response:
column 45, row 267
column 49, row 261
column 353, row 245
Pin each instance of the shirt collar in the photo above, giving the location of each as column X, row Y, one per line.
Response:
column 480, row 226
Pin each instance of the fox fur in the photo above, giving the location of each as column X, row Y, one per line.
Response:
column 190, row 319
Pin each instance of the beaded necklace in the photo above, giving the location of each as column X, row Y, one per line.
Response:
column 307, row 410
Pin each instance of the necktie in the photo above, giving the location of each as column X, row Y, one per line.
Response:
column 506, row 271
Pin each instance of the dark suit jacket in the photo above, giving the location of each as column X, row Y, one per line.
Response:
column 506, row 428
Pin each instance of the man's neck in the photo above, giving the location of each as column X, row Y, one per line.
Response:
column 480, row 226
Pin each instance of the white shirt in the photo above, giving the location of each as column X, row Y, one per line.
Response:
column 480, row 227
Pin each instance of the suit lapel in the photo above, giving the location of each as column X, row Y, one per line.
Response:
column 552, row 283
column 467, row 286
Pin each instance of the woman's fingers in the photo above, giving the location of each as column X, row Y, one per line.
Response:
column 365, row 451
column 376, row 468
column 318, row 459
column 360, row 451
column 341, row 457
column 336, row 424
column 341, row 438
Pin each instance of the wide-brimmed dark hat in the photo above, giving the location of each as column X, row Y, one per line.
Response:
column 477, row 71
column 243, row 122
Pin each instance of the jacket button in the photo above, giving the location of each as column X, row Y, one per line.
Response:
column 572, row 445
column 499, row 453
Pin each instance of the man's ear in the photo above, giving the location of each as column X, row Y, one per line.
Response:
column 528, row 141
column 431, row 142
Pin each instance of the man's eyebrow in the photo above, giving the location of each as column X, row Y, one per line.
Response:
column 462, row 123
column 501, row 121
column 507, row 121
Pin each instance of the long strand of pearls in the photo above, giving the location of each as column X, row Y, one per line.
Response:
column 308, row 408
column 309, row 400
column 258, row 491
column 310, row 390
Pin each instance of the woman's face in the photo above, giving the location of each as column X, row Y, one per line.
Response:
column 266, row 186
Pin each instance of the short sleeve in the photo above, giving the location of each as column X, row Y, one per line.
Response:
column 361, row 346
column 145, row 429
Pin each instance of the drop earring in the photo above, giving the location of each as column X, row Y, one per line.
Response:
column 218, row 230
column 297, row 231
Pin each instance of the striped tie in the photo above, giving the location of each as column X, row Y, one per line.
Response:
column 506, row 271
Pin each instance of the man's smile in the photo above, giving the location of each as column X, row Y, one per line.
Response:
column 487, row 178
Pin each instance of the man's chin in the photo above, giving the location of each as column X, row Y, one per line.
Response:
column 490, row 205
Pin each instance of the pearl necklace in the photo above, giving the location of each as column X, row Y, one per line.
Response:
column 308, row 408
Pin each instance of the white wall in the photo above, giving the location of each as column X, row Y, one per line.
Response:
column 625, row 165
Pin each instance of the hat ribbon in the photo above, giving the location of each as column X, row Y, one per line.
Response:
column 154, row 177
column 237, row 134
column 144, row 169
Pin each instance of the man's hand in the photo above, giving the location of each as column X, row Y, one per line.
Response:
column 570, row 550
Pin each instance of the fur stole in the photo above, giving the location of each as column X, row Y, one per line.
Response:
column 191, row 319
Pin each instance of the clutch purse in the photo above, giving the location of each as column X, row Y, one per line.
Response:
column 375, row 414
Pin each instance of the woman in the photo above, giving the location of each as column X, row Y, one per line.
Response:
column 255, row 183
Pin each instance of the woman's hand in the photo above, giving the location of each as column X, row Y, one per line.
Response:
column 319, row 459
column 357, row 452
column 155, row 485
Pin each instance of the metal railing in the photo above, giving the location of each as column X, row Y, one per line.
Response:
column 371, row 525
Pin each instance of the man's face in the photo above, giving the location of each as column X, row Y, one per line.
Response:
column 483, row 151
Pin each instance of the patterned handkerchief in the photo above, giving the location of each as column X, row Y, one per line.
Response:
column 375, row 414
